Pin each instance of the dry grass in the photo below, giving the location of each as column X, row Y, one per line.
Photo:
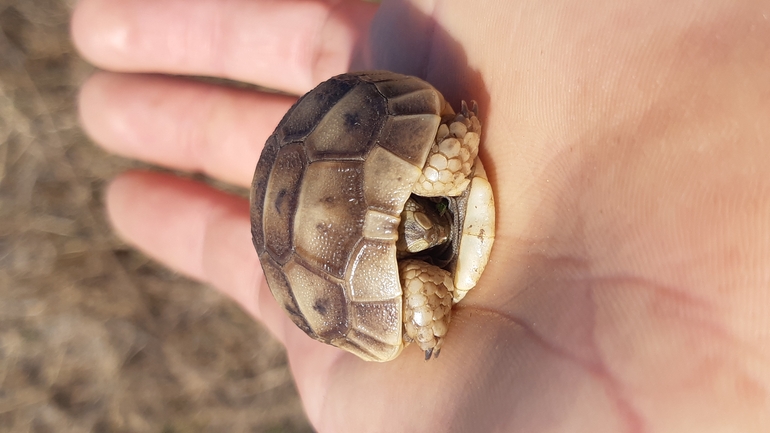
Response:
column 93, row 335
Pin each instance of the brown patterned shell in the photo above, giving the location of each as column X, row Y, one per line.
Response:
column 326, row 198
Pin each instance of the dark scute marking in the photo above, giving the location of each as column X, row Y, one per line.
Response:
column 321, row 305
column 349, row 128
column 304, row 115
column 352, row 120
column 281, row 200
column 282, row 292
column 410, row 137
column 280, row 196
column 258, row 191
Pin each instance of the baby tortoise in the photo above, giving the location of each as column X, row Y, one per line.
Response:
column 372, row 214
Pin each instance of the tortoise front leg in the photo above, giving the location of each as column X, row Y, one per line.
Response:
column 449, row 164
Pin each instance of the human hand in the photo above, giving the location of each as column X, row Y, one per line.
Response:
column 626, row 143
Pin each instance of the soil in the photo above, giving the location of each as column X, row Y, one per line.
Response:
column 94, row 336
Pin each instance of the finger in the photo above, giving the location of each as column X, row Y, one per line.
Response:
column 204, row 233
column 198, row 231
column 194, row 229
column 180, row 123
column 288, row 45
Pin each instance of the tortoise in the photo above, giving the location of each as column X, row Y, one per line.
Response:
column 372, row 214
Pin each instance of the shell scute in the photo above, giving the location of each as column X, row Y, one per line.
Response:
column 330, row 214
column 373, row 272
column 283, row 293
column 347, row 129
column 380, row 320
column 318, row 299
column 388, row 180
column 368, row 347
column 307, row 112
column 419, row 102
column 259, row 190
column 401, row 85
column 409, row 137
column 380, row 226
column 281, row 200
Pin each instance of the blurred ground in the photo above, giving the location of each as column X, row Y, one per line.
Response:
column 93, row 335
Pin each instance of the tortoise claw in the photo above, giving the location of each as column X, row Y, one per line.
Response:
column 467, row 112
column 432, row 352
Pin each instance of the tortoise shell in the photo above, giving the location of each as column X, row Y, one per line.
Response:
column 326, row 200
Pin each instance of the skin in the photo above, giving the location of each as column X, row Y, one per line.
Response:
column 627, row 143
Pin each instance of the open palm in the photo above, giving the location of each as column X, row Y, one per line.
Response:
column 629, row 285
